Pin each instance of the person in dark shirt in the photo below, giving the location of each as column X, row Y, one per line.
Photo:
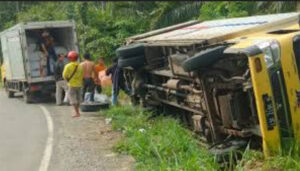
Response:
column 45, row 43
column 61, row 84
column 118, row 81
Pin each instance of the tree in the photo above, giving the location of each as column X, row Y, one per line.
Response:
column 277, row 6
column 226, row 9
column 170, row 13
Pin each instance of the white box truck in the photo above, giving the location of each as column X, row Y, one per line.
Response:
column 22, row 57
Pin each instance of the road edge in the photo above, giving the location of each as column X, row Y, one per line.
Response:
column 49, row 144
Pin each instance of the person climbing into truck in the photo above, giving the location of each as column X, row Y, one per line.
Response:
column 118, row 81
column 46, row 43
column 73, row 74
column 88, row 74
column 61, row 84
column 98, row 68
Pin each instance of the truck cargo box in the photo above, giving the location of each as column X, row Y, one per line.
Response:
column 24, row 61
column 22, row 57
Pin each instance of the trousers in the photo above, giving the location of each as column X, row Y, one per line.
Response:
column 88, row 86
column 60, row 87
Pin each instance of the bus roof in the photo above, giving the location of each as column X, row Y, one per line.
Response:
column 219, row 30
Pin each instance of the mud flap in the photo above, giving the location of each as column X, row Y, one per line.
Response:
column 265, row 105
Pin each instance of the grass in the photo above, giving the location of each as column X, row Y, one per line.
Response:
column 288, row 159
column 160, row 143
column 122, row 95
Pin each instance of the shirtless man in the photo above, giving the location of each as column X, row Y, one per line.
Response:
column 88, row 74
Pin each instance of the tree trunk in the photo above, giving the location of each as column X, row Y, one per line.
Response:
column 103, row 6
column 17, row 6
column 298, row 5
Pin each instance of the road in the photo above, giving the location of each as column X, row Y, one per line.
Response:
column 83, row 143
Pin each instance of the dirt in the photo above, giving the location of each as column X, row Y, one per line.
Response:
column 85, row 143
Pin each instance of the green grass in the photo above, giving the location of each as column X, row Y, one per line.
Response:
column 288, row 159
column 123, row 97
column 160, row 143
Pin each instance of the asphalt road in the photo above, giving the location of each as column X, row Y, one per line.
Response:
column 83, row 143
column 23, row 134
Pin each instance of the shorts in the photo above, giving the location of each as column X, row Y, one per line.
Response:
column 74, row 95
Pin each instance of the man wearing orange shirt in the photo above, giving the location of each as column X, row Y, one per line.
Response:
column 97, row 69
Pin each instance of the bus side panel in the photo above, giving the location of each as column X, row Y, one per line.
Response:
column 265, row 105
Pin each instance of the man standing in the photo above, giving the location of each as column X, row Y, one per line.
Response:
column 46, row 43
column 88, row 73
column 73, row 73
column 61, row 84
column 98, row 68
column 118, row 81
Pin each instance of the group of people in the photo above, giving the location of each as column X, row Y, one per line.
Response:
column 78, row 78
column 74, row 78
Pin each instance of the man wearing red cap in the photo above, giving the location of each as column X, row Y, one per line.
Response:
column 73, row 73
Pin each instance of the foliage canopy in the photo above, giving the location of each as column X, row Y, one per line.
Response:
column 103, row 26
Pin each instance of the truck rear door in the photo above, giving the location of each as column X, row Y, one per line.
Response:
column 13, row 53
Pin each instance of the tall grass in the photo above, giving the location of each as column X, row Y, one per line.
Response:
column 158, row 144
column 287, row 159
column 162, row 143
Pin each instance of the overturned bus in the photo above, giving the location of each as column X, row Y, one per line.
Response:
column 234, row 81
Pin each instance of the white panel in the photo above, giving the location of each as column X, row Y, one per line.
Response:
column 216, row 28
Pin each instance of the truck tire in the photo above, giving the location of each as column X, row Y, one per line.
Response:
column 135, row 61
column 27, row 97
column 131, row 50
column 93, row 107
column 10, row 94
column 203, row 59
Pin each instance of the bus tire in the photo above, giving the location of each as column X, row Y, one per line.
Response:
column 203, row 59
column 130, row 50
column 135, row 62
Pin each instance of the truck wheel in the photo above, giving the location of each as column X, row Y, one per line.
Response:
column 131, row 50
column 93, row 107
column 27, row 97
column 134, row 62
column 10, row 94
column 203, row 59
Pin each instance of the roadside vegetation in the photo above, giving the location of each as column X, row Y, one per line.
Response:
column 103, row 26
column 163, row 143
column 159, row 143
